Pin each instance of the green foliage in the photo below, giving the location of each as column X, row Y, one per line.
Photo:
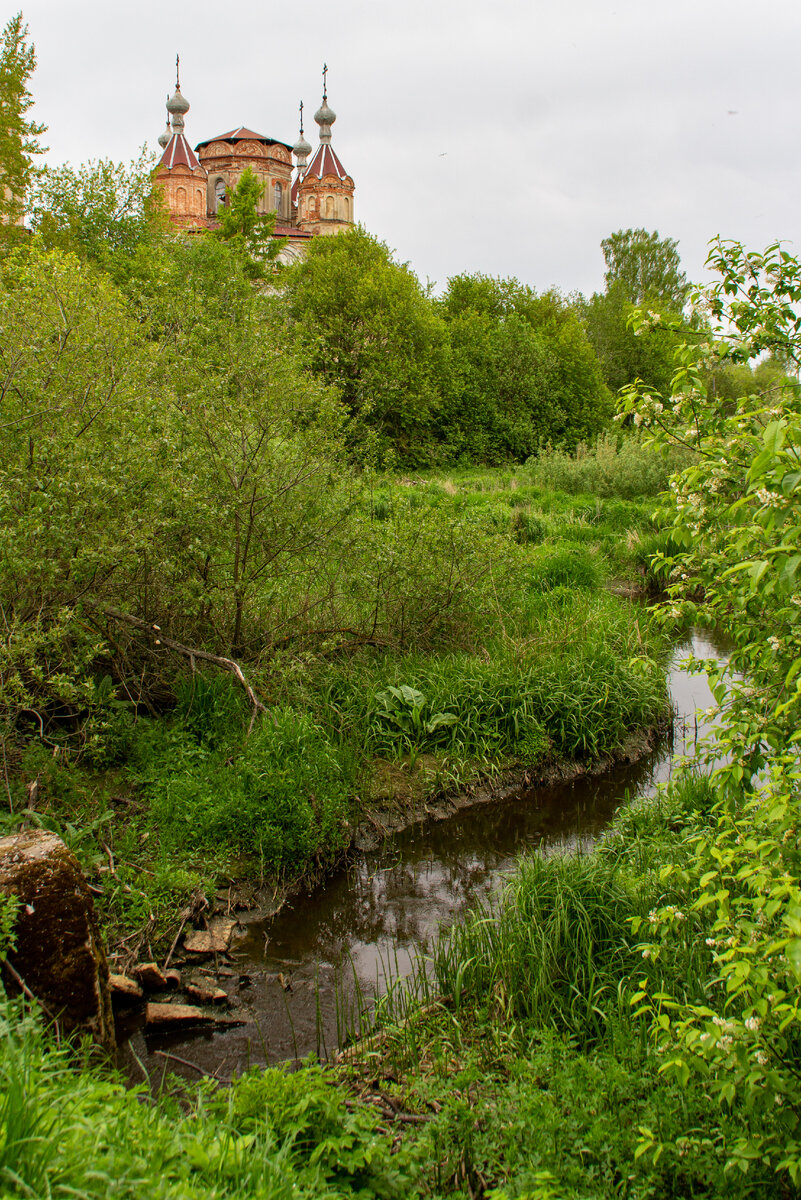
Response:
column 19, row 135
column 372, row 332
column 613, row 465
column 625, row 352
column 249, row 230
column 575, row 685
column 8, row 914
column 647, row 267
column 306, row 1113
column 68, row 1132
column 564, row 566
column 554, row 950
column 525, row 374
column 734, row 520
column 281, row 794
column 103, row 212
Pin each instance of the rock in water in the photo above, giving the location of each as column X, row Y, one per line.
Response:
column 59, row 951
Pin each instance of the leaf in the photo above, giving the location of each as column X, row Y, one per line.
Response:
column 793, row 952
column 773, row 437
column 439, row 720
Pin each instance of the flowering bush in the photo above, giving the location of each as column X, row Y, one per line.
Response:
column 736, row 517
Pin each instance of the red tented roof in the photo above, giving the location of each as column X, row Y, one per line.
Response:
column 242, row 134
column 178, row 153
column 325, row 162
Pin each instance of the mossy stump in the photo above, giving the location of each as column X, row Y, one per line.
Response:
column 59, row 951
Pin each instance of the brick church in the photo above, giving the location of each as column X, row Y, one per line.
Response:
column 308, row 197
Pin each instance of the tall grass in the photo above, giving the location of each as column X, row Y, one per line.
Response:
column 616, row 465
column 272, row 1136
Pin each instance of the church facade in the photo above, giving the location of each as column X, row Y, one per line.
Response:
column 312, row 195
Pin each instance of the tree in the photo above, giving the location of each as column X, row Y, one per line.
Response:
column 524, row 372
column 735, row 520
column 102, row 212
column 373, row 331
column 18, row 135
column 245, row 227
column 648, row 267
column 626, row 353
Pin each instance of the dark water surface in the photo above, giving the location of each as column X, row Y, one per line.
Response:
column 372, row 918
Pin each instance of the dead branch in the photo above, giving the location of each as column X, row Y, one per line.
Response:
column 218, row 660
column 185, row 1062
column 26, row 991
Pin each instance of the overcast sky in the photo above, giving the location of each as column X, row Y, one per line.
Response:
column 507, row 138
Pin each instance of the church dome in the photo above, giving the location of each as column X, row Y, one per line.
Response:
column 177, row 104
column 325, row 115
column 302, row 148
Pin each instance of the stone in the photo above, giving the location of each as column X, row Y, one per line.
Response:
column 164, row 1016
column 151, row 977
column 59, row 951
column 123, row 988
column 214, row 940
column 206, row 993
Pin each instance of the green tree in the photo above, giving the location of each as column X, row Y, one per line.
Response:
column 524, row 373
column 251, row 231
column 735, row 517
column 647, row 266
column 625, row 352
column 373, row 331
column 102, row 212
column 19, row 135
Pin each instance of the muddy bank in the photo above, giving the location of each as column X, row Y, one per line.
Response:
column 382, row 822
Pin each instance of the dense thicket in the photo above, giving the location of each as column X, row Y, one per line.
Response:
column 492, row 372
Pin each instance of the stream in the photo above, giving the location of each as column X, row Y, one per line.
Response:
column 295, row 974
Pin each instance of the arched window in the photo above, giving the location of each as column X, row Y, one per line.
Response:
column 329, row 206
column 180, row 199
column 347, row 208
column 219, row 194
column 200, row 199
column 278, row 198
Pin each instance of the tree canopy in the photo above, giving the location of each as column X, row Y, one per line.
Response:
column 241, row 223
column 647, row 267
column 525, row 374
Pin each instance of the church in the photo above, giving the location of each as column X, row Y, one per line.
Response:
column 308, row 197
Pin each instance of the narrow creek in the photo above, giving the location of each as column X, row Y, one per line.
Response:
column 295, row 974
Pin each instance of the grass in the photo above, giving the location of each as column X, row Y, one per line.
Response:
column 71, row 1129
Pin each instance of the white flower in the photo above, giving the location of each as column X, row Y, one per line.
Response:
column 775, row 643
column 752, row 1024
column 638, row 419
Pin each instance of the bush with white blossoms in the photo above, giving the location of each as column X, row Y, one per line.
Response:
column 736, row 514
